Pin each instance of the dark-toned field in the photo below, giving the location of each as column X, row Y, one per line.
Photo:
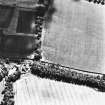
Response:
column 75, row 38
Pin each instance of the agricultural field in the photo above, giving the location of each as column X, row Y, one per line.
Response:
column 76, row 36
column 31, row 90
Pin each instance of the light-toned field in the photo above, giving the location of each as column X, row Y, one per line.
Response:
column 31, row 90
column 76, row 36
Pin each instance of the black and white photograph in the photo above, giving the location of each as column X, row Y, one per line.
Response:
column 52, row 52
